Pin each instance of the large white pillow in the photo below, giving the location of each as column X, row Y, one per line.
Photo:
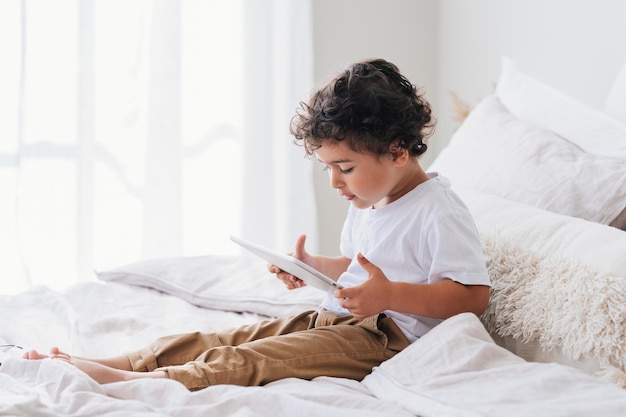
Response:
column 241, row 284
column 497, row 153
column 540, row 104
column 558, row 282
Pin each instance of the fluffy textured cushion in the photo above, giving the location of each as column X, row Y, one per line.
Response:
column 557, row 280
column 533, row 101
column 497, row 153
column 219, row 282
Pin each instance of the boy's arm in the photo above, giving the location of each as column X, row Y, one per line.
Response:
column 441, row 299
column 331, row 267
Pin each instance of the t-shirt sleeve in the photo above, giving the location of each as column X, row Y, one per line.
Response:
column 454, row 249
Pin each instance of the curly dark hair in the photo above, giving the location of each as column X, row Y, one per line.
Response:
column 371, row 106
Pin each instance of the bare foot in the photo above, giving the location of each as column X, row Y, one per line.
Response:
column 34, row 355
column 55, row 353
column 100, row 373
column 103, row 374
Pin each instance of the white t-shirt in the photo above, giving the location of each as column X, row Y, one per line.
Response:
column 423, row 237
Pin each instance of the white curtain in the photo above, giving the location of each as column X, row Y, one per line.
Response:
column 134, row 130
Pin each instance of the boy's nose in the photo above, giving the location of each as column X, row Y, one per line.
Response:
column 335, row 182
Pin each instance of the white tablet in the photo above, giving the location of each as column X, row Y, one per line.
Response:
column 294, row 266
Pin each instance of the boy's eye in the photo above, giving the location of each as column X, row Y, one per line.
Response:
column 325, row 168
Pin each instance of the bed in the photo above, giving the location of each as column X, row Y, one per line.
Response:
column 548, row 192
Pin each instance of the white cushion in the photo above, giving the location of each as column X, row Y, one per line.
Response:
column 598, row 247
column 497, row 153
column 542, row 105
column 240, row 284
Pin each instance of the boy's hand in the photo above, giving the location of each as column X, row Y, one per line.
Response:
column 369, row 298
column 291, row 281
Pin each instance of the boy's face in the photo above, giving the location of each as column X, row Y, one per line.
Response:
column 362, row 178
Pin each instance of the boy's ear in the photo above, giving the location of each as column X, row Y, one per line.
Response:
column 398, row 153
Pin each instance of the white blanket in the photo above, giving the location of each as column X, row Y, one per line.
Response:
column 53, row 388
column 455, row 370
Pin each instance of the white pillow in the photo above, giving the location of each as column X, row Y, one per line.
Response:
column 240, row 284
column 538, row 103
column 550, row 234
column 496, row 153
column 557, row 280
column 616, row 99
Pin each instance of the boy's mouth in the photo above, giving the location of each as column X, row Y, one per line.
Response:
column 346, row 196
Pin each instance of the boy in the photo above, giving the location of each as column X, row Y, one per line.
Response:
column 410, row 253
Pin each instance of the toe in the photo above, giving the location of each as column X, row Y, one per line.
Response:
column 33, row 354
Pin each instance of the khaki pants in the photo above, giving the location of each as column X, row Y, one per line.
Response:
column 314, row 343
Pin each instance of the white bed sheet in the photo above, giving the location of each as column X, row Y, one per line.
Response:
column 455, row 370
column 97, row 320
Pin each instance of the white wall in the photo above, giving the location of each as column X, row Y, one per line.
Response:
column 576, row 46
column 401, row 31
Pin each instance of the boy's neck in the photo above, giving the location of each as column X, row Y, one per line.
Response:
column 413, row 177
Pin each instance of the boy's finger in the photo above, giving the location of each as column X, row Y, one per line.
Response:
column 365, row 263
column 299, row 252
column 344, row 293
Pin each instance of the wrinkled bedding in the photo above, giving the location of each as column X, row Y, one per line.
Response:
column 455, row 370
